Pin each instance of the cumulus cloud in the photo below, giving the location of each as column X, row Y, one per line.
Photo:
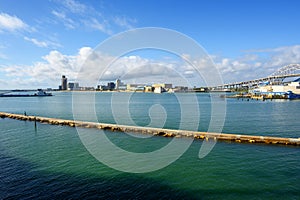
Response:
column 132, row 69
column 11, row 23
column 284, row 55
column 257, row 63
column 91, row 67
column 44, row 73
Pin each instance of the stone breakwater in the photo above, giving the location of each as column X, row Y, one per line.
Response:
column 159, row 131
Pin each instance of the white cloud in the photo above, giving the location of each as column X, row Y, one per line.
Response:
column 13, row 71
column 44, row 44
column 36, row 42
column 69, row 23
column 92, row 70
column 95, row 24
column 45, row 73
column 124, row 22
column 11, row 23
column 97, row 66
column 74, row 6
column 75, row 14
column 257, row 63
column 285, row 55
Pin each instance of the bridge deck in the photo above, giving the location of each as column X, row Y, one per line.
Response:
column 257, row 81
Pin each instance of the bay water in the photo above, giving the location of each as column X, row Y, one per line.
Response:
column 49, row 161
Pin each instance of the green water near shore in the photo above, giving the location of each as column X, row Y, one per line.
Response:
column 51, row 161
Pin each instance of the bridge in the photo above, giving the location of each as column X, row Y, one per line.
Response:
column 291, row 70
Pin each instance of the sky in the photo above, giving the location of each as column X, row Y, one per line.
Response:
column 41, row 40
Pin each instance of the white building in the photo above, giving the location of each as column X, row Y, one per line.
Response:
column 162, row 87
column 120, row 86
column 293, row 87
column 118, row 83
column 159, row 89
column 135, row 87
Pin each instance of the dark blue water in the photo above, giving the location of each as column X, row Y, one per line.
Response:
column 51, row 161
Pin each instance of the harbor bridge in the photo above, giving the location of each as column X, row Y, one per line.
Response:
column 291, row 70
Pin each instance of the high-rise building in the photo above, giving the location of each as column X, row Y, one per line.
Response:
column 73, row 86
column 111, row 86
column 118, row 83
column 64, row 82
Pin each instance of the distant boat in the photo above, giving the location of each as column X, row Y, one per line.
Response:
column 42, row 93
column 39, row 93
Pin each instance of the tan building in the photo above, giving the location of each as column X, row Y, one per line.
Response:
column 148, row 89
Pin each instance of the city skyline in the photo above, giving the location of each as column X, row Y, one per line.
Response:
column 118, row 86
column 40, row 41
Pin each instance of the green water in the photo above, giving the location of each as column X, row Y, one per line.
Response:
column 51, row 161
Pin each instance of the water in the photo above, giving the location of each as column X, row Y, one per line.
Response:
column 51, row 162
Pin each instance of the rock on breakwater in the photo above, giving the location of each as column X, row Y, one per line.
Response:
column 158, row 131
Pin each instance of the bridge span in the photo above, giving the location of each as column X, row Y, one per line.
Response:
column 291, row 70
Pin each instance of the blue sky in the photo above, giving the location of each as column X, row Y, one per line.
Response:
column 42, row 39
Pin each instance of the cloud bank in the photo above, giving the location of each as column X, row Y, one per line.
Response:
column 257, row 63
column 137, row 69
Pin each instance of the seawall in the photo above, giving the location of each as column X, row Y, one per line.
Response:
column 159, row 131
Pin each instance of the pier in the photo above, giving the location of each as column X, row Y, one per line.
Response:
column 240, row 138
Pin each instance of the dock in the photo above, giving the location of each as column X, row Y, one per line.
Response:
column 240, row 138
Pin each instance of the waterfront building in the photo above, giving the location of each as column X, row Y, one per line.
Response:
column 64, row 82
column 111, row 86
column 73, row 86
column 86, row 88
column 163, row 85
column 120, row 86
column 159, row 89
column 135, row 87
column 180, row 89
column 118, row 83
column 148, row 88
column 293, row 86
column 101, row 87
